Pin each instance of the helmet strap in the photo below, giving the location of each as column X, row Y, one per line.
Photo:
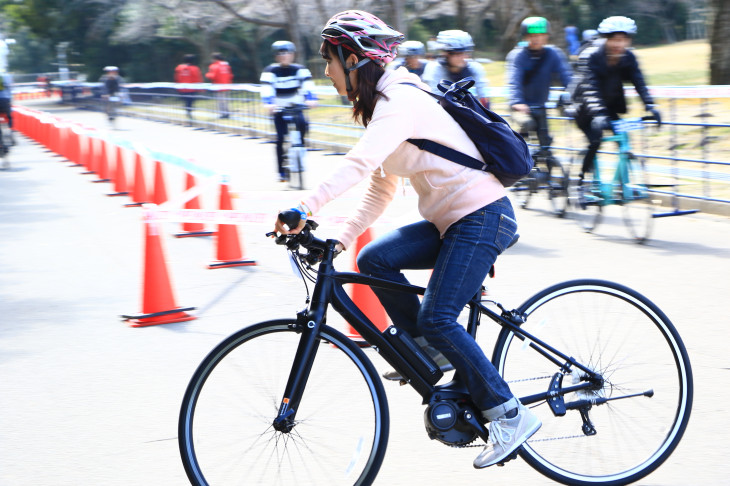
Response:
column 348, row 70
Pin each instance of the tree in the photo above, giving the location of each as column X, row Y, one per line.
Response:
column 719, row 53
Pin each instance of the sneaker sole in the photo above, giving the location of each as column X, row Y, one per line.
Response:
column 529, row 433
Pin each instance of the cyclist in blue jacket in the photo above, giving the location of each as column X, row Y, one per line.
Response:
column 531, row 75
column 597, row 90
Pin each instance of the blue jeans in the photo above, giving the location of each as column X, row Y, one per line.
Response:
column 460, row 262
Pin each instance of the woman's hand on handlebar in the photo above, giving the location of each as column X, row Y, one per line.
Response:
column 289, row 222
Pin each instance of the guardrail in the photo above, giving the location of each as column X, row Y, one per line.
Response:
column 690, row 158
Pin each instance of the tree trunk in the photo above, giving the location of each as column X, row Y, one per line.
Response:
column 719, row 53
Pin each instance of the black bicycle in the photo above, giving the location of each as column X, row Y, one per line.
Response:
column 548, row 174
column 294, row 401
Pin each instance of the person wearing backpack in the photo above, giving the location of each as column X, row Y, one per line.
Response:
column 467, row 218
column 597, row 89
column 533, row 71
column 455, row 64
column 188, row 73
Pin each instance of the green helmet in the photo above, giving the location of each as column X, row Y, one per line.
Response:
column 535, row 25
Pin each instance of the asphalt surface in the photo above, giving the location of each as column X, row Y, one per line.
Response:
column 87, row 399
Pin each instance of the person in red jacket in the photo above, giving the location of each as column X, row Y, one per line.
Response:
column 188, row 72
column 219, row 72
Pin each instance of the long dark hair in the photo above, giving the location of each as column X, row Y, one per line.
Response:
column 365, row 95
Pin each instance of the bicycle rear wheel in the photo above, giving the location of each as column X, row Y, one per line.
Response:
column 646, row 373
column 226, row 434
column 636, row 201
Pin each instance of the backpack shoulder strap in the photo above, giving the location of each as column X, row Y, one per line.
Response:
column 442, row 150
column 447, row 153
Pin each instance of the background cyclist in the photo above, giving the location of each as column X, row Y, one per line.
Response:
column 284, row 83
column 532, row 73
column 468, row 219
column 597, row 89
column 455, row 63
column 411, row 53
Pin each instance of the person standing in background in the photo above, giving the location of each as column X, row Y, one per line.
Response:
column 188, row 72
column 219, row 72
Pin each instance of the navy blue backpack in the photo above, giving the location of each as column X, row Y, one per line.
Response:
column 505, row 151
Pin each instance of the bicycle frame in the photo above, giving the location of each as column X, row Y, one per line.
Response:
column 621, row 177
column 329, row 289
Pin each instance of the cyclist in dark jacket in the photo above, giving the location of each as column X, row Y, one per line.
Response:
column 598, row 91
column 531, row 75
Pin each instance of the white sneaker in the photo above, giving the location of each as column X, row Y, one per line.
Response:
column 506, row 436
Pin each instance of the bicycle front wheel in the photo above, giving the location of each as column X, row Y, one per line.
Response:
column 637, row 204
column 557, row 186
column 225, row 428
column 586, row 203
column 633, row 420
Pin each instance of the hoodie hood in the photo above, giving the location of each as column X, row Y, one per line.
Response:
column 399, row 76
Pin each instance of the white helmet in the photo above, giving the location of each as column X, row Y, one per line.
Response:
column 613, row 25
column 455, row 41
column 412, row 48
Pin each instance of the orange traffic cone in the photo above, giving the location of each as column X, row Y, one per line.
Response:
column 139, row 190
column 103, row 162
column 228, row 245
column 120, row 175
column 192, row 229
column 158, row 302
column 159, row 194
column 91, row 155
column 364, row 297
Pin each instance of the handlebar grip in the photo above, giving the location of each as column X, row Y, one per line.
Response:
column 290, row 218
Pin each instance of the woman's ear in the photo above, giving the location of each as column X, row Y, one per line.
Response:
column 351, row 60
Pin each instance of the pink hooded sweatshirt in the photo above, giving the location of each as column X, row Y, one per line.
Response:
column 446, row 190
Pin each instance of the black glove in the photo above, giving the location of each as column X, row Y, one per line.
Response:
column 601, row 123
column 655, row 113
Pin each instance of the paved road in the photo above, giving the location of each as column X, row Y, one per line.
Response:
column 85, row 399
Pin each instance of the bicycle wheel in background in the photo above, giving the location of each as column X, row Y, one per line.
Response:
column 225, row 428
column 296, row 167
column 525, row 188
column 557, row 186
column 647, row 380
column 636, row 201
column 586, row 204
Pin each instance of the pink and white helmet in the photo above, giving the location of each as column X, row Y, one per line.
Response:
column 371, row 36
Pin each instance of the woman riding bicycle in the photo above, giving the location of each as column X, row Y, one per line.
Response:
column 468, row 220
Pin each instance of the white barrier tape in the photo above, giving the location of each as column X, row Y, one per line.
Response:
column 187, row 195
column 219, row 216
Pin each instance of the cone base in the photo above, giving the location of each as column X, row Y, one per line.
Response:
column 233, row 263
column 134, row 205
column 181, row 317
column 114, row 194
column 102, row 180
column 164, row 317
column 189, row 234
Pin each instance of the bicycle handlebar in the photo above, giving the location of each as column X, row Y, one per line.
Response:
column 315, row 247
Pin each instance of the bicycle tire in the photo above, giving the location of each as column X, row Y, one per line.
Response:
column 524, row 188
column 636, row 202
column 225, row 425
column 296, row 173
column 557, row 186
column 612, row 328
column 586, row 205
